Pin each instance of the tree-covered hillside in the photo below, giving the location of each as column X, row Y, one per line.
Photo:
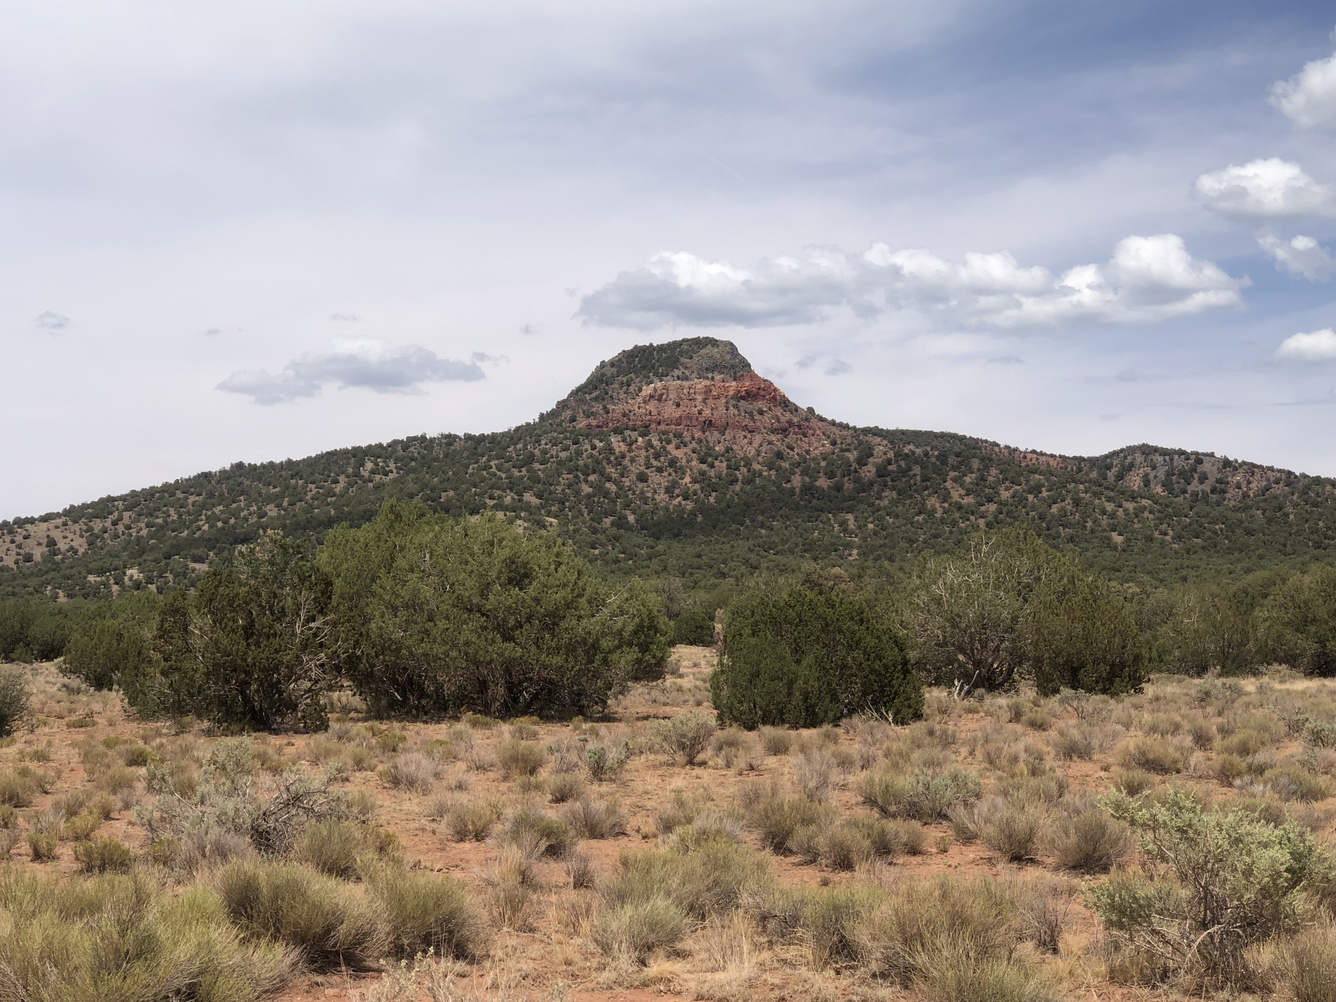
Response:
column 676, row 459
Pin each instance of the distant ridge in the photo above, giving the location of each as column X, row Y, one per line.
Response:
column 678, row 459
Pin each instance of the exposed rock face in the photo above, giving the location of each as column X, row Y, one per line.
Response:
column 748, row 412
column 702, row 388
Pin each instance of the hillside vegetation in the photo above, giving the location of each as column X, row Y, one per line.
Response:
column 677, row 460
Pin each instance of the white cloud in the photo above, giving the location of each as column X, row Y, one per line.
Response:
column 1309, row 97
column 49, row 321
column 364, row 363
column 1317, row 346
column 1301, row 256
column 1266, row 189
column 838, row 367
column 345, row 318
column 1148, row 279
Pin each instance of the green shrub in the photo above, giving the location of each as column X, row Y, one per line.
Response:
column 1230, row 881
column 686, row 736
column 13, row 699
column 1079, row 634
column 451, row 615
column 808, row 657
column 695, row 627
column 427, row 914
column 101, row 650
column 923, row 796
column 251, row 647
column 331, row 925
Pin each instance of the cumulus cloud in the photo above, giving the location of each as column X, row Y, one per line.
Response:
column 1301, row 255
column 1147, row 279
column 838, row 367
column 1266, row 189
column 49, row 321
column 365, row 363
column 345, row 318
column 1309, row 97
column 1316, row 346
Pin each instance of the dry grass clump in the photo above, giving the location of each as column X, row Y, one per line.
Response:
column 594, row 819
column 19, row 787
column 1012, row 828
column 427, row 914
column 565, row 786
column 1305, row 966
column 857, row 841
column 535, row 834
column 412, row 771
column 1089, row 842
column 656, row 894
column 685, row 736
column 115, row 937
column 946, row 939
column 775, row 740
column 922, row 796
column 1156, row 755
column 604, row 761
column 776, row 815
column 816, row 774
column 510, row 880
column 1133, row 782
column 520, row 758
column 1293, row 781
column 472, row 822
column 343, row 849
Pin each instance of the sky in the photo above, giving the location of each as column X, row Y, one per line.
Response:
column 255, row 231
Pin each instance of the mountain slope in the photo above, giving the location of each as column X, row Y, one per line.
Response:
column 678, row 459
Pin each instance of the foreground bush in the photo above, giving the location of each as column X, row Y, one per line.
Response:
column 119, row 939
column 1226, row 880
column 808, row 657
column 656, row 895
column 923, row 796
column 427, row 913
column 329, row 924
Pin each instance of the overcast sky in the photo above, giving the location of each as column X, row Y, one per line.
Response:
column 253, row 231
